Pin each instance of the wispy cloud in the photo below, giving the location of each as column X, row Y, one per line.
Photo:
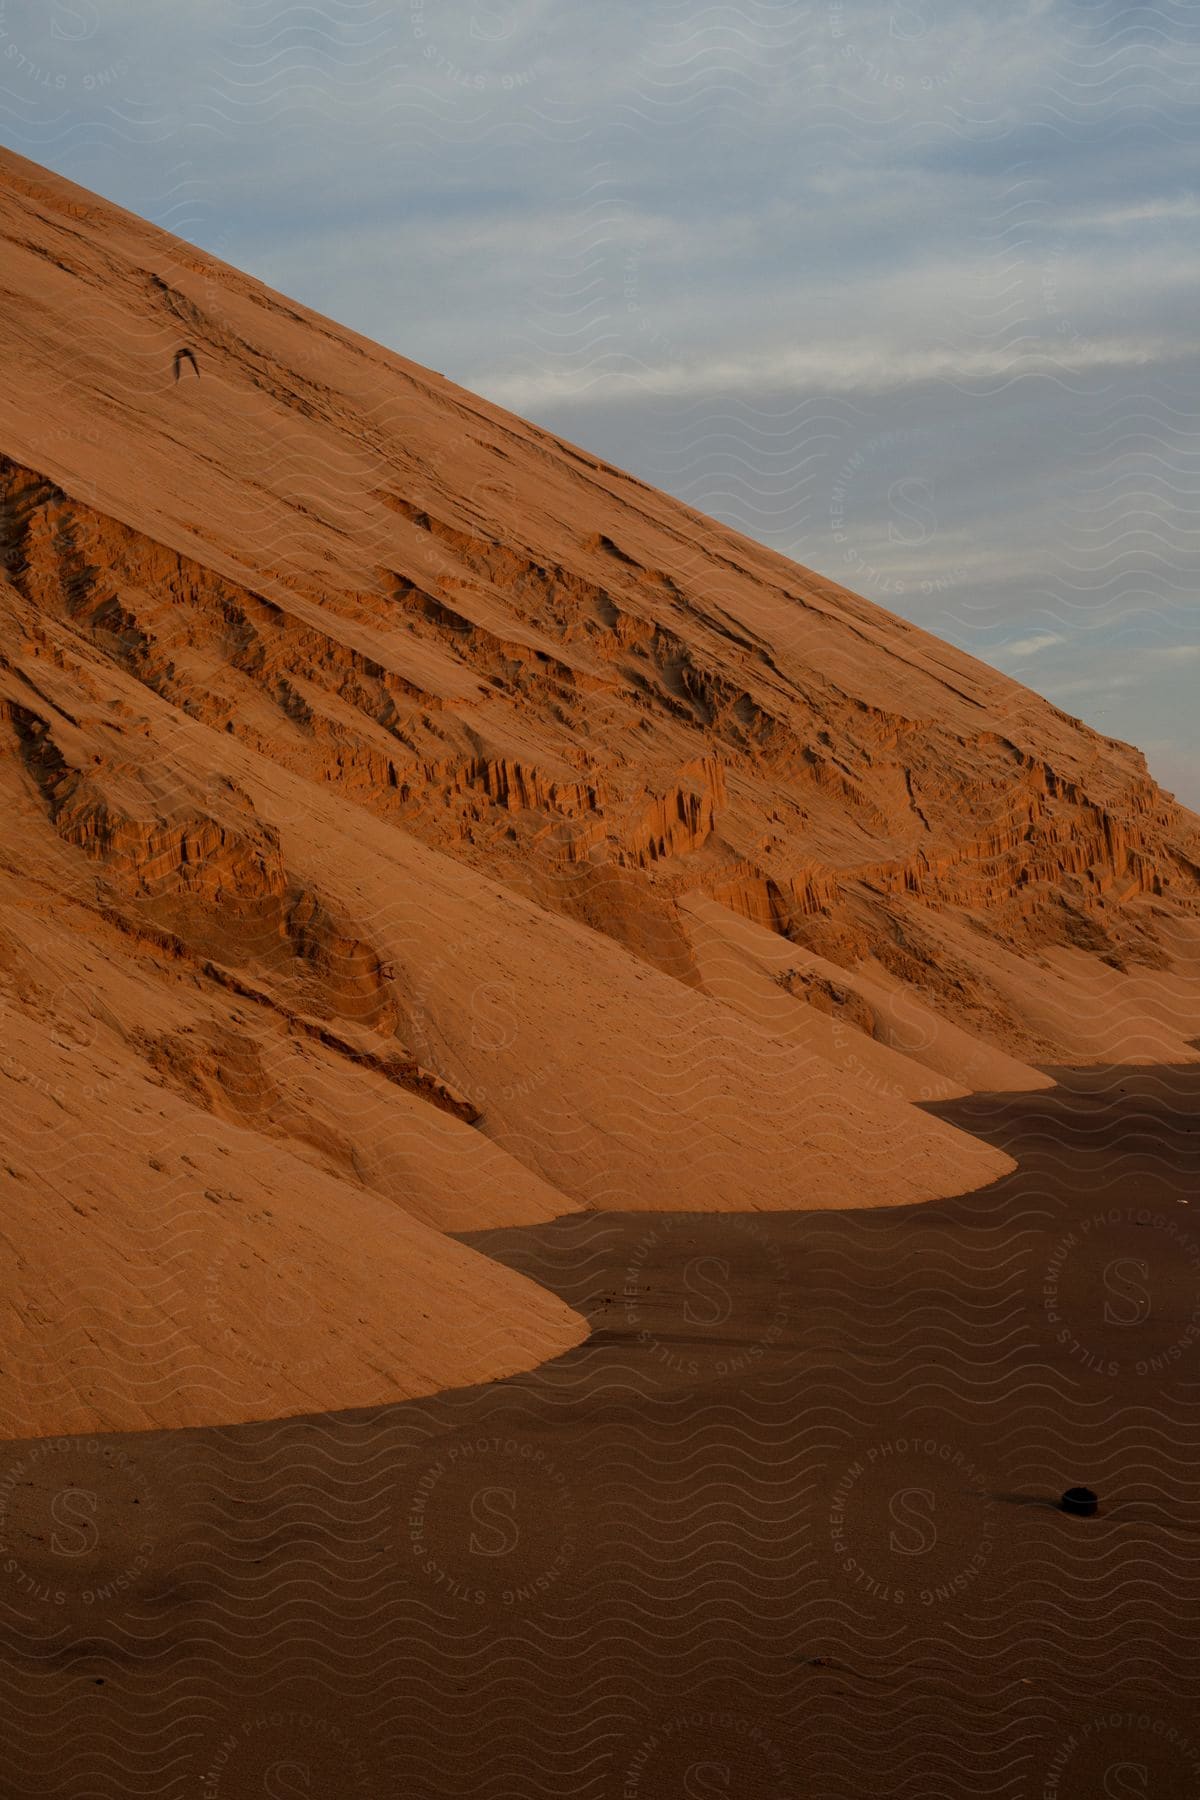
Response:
column 1032, row 646
column 828, row 369
column 1165, row 211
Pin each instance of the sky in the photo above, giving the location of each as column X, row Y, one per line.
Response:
column 907, row 291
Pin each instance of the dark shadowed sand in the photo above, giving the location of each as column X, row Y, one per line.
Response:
column 784, row 1526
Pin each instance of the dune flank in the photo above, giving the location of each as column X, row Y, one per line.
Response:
column 414, row 825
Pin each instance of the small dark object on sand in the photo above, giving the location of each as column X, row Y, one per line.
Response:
column 182, row 356
column 1080, row 1500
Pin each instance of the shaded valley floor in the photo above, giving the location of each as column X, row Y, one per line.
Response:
column 784, row 1526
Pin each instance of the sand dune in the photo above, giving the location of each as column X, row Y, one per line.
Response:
column 414, row 825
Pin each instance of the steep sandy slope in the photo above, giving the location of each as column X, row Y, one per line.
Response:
column 205, row 957
column 447, row 830
column 193, row 859
column 874, row 1028
column 525, row 656
column 168, row 1267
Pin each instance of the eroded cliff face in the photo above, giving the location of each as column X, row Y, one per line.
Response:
column 436, row 823
column 609, row 746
